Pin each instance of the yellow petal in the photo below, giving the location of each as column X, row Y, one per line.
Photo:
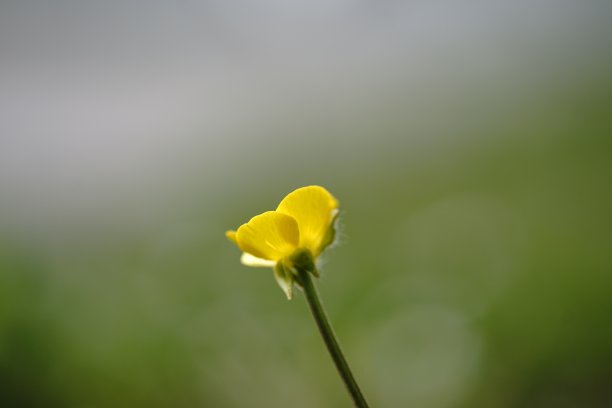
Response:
column 314, row 209
column 251, row 260
column 270, row 236
column 231, row 235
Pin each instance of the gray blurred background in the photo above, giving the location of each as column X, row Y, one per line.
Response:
column 469, row 144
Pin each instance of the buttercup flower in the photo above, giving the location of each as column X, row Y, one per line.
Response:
column 293, row 236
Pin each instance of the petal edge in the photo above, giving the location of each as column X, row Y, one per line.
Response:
column 314, row 209
column 271, row 236
column 255, row 262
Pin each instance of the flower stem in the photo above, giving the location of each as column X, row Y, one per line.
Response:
column 329, row 338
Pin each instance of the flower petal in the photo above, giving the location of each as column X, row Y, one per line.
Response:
column 231, row 235
column 314, row 209
column 270, row 236
column 251, row 260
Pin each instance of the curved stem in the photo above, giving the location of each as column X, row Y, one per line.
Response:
column 329, row 338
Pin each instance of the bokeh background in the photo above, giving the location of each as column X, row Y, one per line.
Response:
column 469, row 143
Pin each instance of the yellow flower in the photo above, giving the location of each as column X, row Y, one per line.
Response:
column 292, row 236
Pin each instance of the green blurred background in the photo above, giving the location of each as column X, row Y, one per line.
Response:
column 469, row 144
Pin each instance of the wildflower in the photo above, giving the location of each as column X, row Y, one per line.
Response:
column 291, row 237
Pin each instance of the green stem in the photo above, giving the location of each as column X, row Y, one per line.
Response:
column 329, row 338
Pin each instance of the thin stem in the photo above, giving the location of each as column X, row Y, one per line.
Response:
column 329, row 338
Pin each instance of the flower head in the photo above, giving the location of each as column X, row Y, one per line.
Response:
column 294, row 235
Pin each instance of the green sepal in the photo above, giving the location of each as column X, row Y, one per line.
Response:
column 284, row 278
column 302, row 259
column 330, row 235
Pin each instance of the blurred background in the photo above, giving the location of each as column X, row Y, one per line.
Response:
column 470, row 146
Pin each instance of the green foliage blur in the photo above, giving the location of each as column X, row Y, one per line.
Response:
column 473, row 266
column 475, row 277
